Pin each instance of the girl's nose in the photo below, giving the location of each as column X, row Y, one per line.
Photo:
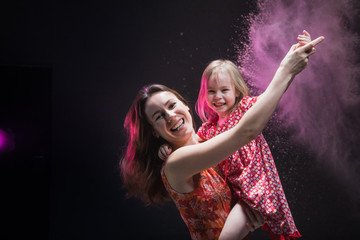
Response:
column 217, row 95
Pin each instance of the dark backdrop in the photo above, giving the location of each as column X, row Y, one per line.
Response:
column 81, row 64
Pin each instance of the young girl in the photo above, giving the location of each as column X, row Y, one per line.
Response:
column 250, row 172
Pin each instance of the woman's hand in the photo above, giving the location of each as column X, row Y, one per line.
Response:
column 240, row 221
column 255, row 220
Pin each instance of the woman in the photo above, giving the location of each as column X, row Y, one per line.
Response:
column 160, row 115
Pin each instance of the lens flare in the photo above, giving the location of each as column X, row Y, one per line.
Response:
column 6, row 141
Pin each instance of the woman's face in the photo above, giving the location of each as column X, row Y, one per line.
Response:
column 170, row 118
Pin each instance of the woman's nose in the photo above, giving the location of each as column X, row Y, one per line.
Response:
column 169, row 115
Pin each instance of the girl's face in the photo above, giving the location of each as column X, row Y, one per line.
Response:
column 170, row 118
column 221, row 93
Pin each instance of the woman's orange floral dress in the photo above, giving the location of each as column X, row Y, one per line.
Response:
column 205, row 209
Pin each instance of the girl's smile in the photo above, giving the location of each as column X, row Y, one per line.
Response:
column 221, row 93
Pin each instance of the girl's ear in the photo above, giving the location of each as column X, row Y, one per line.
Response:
column 237, row 93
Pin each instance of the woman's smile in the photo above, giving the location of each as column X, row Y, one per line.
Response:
column 178, row 125
column 170, row 118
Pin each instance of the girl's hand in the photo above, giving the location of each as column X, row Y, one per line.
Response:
column 164, row 151
column 297, row 58
column 303, row 39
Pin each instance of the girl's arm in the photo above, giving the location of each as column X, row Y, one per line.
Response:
column 187, row 161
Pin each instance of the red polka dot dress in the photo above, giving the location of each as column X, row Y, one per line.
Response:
column 252, row 175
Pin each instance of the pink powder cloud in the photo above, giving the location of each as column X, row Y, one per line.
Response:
column 323, row 103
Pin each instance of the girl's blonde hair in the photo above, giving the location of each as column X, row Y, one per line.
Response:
column 202, row 108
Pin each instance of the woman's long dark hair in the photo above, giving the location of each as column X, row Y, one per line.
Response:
column 140, row 165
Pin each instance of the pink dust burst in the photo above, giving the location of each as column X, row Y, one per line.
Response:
column 323, row 103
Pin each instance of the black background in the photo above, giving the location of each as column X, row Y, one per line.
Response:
column 69, row 72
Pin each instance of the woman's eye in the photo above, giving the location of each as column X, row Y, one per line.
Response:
column 171, row 106
column 158, row 117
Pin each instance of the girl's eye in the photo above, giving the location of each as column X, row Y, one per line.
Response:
column 211, row 91
column 225, row 90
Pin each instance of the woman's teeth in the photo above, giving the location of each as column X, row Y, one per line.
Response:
column 177, row 126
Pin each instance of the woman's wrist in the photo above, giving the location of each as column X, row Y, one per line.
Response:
column 283, row 77
column 284, row 73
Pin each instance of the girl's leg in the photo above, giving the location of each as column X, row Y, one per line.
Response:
column 235, row 224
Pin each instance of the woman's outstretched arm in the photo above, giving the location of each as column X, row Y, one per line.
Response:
column 187, row 161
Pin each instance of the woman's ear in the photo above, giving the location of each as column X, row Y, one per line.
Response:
column 155, row 134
